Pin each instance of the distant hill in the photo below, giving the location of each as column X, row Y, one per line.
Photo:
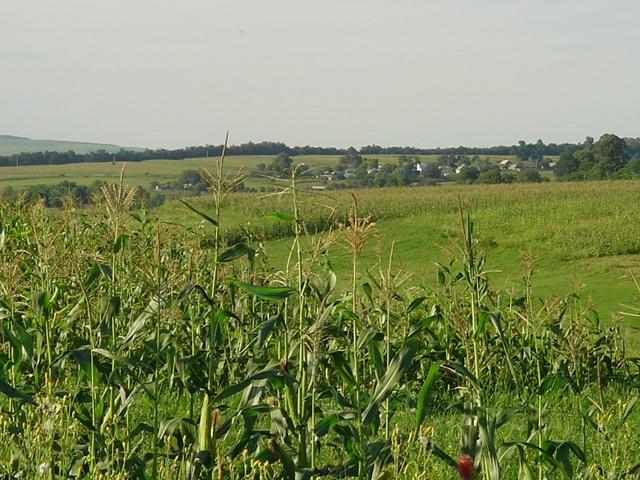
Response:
column 10, row 144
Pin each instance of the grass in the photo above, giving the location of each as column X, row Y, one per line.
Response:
column 577, row 247
column 146, row 172
column 138, row 173
column 584, row 237
column 140, row 348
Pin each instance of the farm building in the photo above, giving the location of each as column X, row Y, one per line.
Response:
column 508, row 165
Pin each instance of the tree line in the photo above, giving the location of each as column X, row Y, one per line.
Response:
column 55, row 195
column 523, row 150
column 609, row 157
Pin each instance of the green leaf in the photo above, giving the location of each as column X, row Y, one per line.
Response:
column 83, row 357
column 11, row 392
column 629, row 408
column 343, row 368
column 2, row 235
column 202, row 214
column 267, row 372
column 398, row 365
column 287, row 462
column 237, row 251
column 551, row 383
column 41, row 303
column 268, row 293
column 136, row 327
column 524, row 469
column 425, row 394
column 95, row 271
column 324, row 425
column 415, row 304
column 282, row 217
column 368, row 291
column 462, row 370
column 441, row 454
column 120, row 242
column 635, row 470
column 495, row 321
column 264, row 330
column 564, row 458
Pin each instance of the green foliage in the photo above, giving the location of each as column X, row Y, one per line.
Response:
column 602, row 159
column 280, row 165
column 129, row 351
column 529, row 176
column 566, row 165
column 468, row 175
column 610, row 153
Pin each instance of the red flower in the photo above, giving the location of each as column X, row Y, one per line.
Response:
column 466, row 467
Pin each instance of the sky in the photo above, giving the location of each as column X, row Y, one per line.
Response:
column 426, row 73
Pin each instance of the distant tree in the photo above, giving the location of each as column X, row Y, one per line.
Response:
column 408, row 166
column 508, row 177
column 430, row 170
column 361, row 172
column 468, row 175
column 634, row 167
column 281, row 165
column 529, row 175
column 633, row 146
column 537, row 152
column 588, row 143
column 445, row 160
column 490, row 176
column 190, row 176
column 351, row 159
column 566, row 165
column 610, row 153
column 587, row 161
column 523, row 151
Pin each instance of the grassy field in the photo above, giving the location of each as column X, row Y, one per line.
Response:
column 583, row 237
column 144, row 173
column 136, row 347
column 138, row 173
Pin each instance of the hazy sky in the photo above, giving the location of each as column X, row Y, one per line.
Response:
column 321, row 72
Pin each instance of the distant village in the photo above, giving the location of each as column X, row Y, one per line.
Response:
column 354, row 171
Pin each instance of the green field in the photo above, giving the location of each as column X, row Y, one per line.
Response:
column 277, row 338
column 137, row 173
column 584, row 237
column 146, row 172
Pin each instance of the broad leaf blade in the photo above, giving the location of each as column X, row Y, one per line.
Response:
column 425, row 394
column 268, row 293
column 202, row 214
column 398, row 365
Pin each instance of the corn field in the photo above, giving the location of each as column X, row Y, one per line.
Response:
column 133, row 349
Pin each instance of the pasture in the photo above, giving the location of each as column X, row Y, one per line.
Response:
column 161, row 171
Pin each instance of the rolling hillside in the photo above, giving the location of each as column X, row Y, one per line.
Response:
column 10, row 144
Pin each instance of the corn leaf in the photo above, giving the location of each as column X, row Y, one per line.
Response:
column 268, row 293
column 202, row 214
